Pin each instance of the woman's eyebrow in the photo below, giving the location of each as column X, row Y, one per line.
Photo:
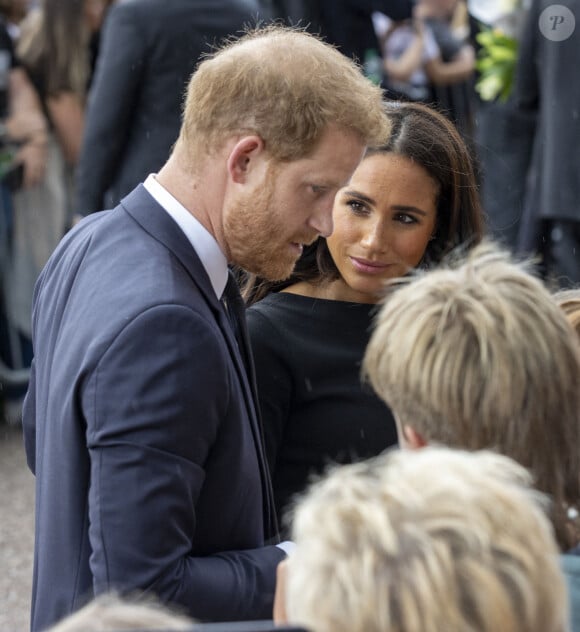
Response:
column 410, row 209
column 360, row 196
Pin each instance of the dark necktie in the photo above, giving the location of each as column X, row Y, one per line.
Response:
column 236, row 311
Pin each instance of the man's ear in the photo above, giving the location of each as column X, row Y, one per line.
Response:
column 245, row 154
column 413, row 439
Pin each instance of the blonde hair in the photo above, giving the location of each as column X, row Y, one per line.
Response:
column 478, row 355
column 569, row 302
column 113, row 613
column 424, row 541
column 285, row 85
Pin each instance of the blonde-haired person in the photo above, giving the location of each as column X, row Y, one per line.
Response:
column 112, row 613
column 404, row 550
column 140, row 421
column 479, row 355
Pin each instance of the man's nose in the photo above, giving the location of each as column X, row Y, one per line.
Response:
column 321, row 220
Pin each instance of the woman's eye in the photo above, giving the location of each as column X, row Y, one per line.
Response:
column 403, row 218
column 357, row 207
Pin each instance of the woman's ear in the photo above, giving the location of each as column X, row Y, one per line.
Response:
column 245, row 155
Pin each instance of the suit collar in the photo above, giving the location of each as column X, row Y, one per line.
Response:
column 158, row 223
column 204, row 243
column 155, row 220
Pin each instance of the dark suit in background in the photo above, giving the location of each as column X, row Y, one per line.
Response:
column 173, row 473
column 547, row 89
column 148, row 51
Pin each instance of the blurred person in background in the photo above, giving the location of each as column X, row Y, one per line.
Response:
column 56, row 49
column 23, row 162
column 547, row 90
column 148, row 51
column 422, row 56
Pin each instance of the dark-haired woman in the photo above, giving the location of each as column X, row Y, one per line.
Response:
column 408, row 204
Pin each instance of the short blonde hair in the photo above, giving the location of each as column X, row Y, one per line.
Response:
column 112, row 613
column 285, row 85
column 478, row 355
column 422, row 541
column 569, row 302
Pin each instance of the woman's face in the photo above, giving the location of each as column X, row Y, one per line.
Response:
column 383, row 221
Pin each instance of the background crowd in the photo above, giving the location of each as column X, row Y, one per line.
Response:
column 469, row 350
column 524, row 141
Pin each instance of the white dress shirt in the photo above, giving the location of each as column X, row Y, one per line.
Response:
column 210, row 254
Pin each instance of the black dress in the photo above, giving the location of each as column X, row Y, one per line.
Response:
column 315, row 410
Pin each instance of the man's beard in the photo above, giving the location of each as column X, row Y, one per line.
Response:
column 255, row 235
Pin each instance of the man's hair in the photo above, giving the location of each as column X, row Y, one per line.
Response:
column 114, row 613
column 479, row 355
column 416, row 541
column 286, row 86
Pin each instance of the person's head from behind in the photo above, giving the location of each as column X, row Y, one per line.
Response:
column 113, row 613
column 478, row 355
column 569, row 302
column 428, row 540
column 292, row 116
column 408, row 203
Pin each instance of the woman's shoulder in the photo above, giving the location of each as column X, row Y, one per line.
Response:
column 280, row 305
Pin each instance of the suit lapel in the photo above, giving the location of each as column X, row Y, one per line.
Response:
column 159, row 224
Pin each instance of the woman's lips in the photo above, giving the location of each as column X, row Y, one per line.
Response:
column 369, row 267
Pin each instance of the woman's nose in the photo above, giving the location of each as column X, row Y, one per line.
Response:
column 374, row 237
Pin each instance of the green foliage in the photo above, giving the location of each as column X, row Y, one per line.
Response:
column 496, row 64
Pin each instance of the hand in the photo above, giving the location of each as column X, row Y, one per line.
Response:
column 280, row 617
column 467, row 54
column 419, row 26
column 33, row 155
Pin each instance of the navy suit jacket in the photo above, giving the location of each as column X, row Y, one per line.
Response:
column 141, row 429
column 147, row 53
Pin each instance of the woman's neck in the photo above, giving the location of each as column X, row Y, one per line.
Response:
column 336, row 290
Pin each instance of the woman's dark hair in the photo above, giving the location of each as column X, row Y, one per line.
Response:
column 430, row 140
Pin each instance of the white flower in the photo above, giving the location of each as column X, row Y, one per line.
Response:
column 506, row 15
column 490, row 11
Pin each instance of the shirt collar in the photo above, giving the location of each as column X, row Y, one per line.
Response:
column 202, row 241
